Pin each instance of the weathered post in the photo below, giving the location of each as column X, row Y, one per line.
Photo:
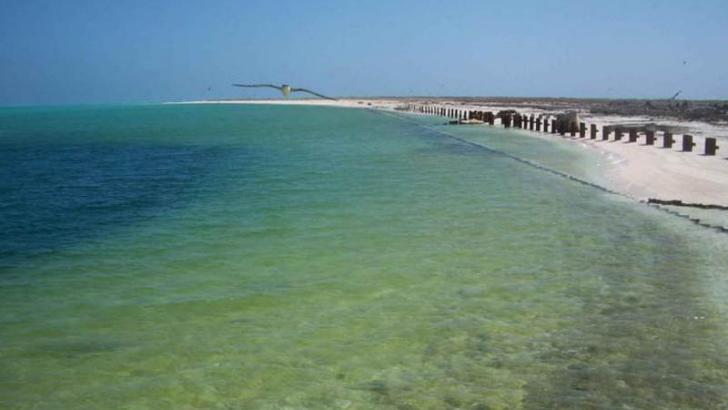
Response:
column 572, row 128
column 546, row 124
column 633, row 135
column 710, row 146
column 538, row 123
column 650, row 137
column 593, row 131
column 531, row 122
column 554, row 126
column 582, row 130
column 506, row 119
column 617, row 134
column 605, row 133
column 667, row 140
column 491, row 118
column 687, row 143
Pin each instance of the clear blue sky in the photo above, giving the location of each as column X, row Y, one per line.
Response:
column 73, row 51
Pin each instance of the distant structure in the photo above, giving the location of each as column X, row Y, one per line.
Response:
column 285, row 89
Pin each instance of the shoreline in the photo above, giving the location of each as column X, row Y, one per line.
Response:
column 636, row 170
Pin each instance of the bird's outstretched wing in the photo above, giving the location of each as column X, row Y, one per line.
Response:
column 279, row 88
column 303, row 90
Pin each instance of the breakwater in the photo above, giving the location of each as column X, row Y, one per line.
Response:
column 568, row 124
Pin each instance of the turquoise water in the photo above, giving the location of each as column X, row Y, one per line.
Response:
column 271, row 257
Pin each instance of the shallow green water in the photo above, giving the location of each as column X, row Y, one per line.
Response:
column 299, row 257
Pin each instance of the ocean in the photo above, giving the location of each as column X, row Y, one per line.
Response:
column 292, row 257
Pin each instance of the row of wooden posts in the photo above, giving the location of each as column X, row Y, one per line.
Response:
column 562, row 125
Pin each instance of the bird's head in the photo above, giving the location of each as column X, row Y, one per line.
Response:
column 286, row 89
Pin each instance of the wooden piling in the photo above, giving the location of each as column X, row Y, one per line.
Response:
column 605, row 133
column 538, row 123
column 593, row 131
column 650, row 137
column 554, row 126
column 546, row 124
column 633, row 136
column 667, row 140
column 531, row 122
column 582, row 130
column 687, row 143
column 506, row 119
column 617, row 134
column 711, row 146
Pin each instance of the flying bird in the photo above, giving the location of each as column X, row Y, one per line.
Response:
column 285, row 89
